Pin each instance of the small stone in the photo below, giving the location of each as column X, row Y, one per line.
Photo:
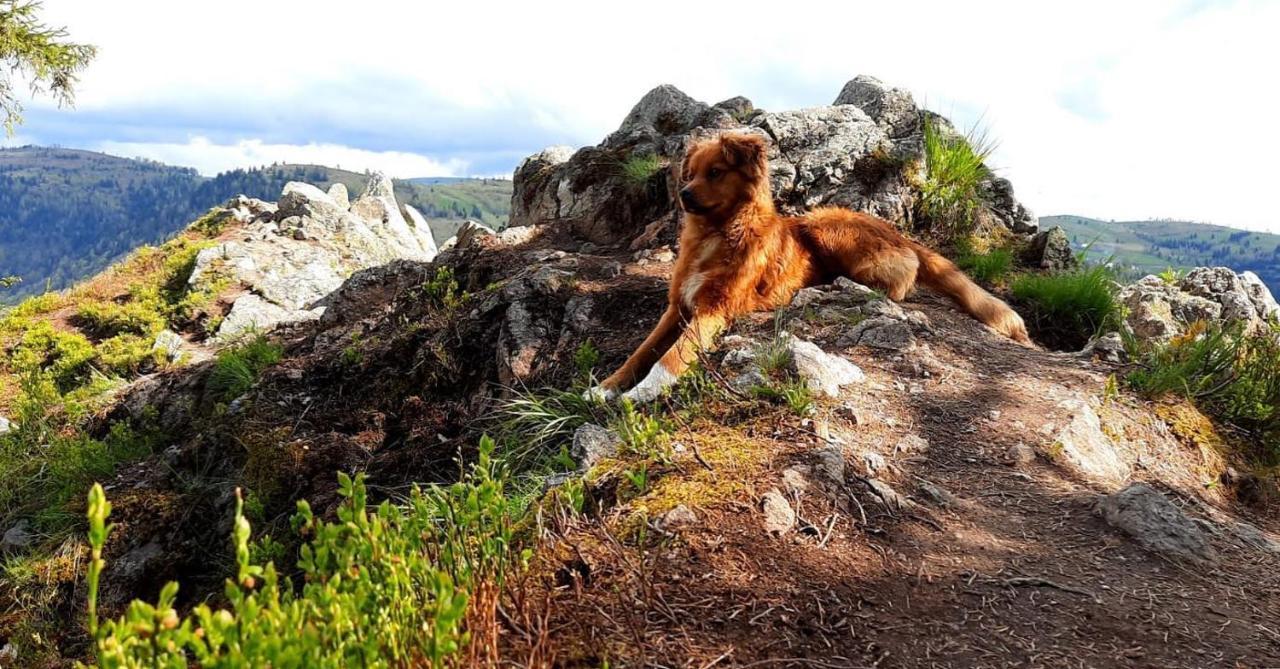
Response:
column 1156, row 524
column 888, row 496
column 779, row 517
column 911, row 445
column 676, row 518
column 16, row 538
column 874, row 463
column 795, row 480
column 6, row 425
column 823, row 372
column 830, row 464
column 592, row 443
column 1020, row 454
column 937, row 495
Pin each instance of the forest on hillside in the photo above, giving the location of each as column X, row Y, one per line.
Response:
column 67, row 214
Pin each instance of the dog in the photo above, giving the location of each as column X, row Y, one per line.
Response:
column 738, row 255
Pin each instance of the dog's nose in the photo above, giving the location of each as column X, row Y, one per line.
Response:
column 687, row 199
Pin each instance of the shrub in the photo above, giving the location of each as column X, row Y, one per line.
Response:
column 794, row 393
column 951, row 193
column 236, row 368
column 387, row 587
column 442, row 291
column 1233, row 376
column 107, row 319
column 64, row 355
column 1065, row 310
column 128, row 354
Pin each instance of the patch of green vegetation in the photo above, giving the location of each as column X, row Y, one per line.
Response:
column 212, row 223
column 951, row 193
column 638, row 169
column 794, row 393
column 1066, row 309
column 990, row 268
column 64, row 356
column 585, row 359
column 533, row 426
column 643, row 434
column 442, row 291
column 386, row 587
column 1171, row 276
column 1231, row 375
column 237, row 367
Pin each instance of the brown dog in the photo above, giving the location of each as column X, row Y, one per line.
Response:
column 738, row 255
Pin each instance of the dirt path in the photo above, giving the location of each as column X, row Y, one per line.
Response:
column 988, row 564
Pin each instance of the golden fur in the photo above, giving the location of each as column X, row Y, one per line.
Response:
column 738, row 255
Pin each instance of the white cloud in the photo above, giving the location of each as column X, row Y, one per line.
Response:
column 210, row 158
column 1116, row 109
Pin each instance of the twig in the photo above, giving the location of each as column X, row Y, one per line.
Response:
column 1036, row 581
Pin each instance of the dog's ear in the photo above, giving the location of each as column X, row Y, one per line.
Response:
column 745, row 151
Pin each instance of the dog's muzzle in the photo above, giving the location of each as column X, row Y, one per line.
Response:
column 689, row 202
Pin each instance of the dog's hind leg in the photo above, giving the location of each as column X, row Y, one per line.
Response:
column 892, row 270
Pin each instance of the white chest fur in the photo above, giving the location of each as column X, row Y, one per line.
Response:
column 705, row 261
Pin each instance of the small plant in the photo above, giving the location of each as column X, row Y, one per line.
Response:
column 535, row 424
column 1171, row 276
column 442, row 290
column 236, row 368
column 585, row 359
column 641, row 434
column 1065, row 310
column 638, row 477
column 391, row 586
column 955, row 169
column 773, row 355
column 353, row 353
column 213, row 222
column 794, row 393
column 640, row 168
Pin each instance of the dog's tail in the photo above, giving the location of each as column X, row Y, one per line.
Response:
column 942, row 275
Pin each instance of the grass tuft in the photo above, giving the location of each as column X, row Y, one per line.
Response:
column 955, row 168
column 1065, row 310
column 237, row 367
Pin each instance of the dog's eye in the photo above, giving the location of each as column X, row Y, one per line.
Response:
column 714, row 173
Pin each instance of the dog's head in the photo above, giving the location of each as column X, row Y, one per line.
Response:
column 719, row 175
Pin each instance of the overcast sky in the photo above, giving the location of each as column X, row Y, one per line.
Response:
column 1132, row 109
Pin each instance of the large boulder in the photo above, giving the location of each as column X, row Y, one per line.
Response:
column 1158, row 310
column 1156, row 524
column 289, row 256
column 865, row 152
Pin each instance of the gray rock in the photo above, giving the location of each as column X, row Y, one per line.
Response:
column 1266, row 305
column 1156, row 524
column 1082, row 446
column 1107, row 348
column 1020, row 454
column 169, row 343
column 891, row 498
column 892, row 108
column 16, row 538
column 887, row 334
column 422, row 231
column 6, row 425
column 998, row 194
column 338, row 193
column 779, row 517
column 1253, row 537
column 1224, row 286
column 937, row 495
column 676, row 518
column 822, row 372
column 1158, row 311
column 912, row 444
column 795, row 480
column 665, row 110
column 1051, row 250
column 592, row 443
column 830, row 464
column 549, row 280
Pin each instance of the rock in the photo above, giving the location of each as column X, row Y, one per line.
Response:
column 779, row 517
column 747, row 380
column 830, row 464
column 469, row 233
column 1020, row 454
column 795, row 480
column 169, row 344
column 338, row 193
column 892, row 108
column 888, row 496
column 880, row 332
column 16, row 538
column 1158, row 311
column 536, row 200
column 6, row 425
column 873, row 464
column 1107, row 348
column 937, row 495
column 998, row 194
column 663, row 111
column 592, row 443
column 1082, row 446
column 1156, row 524
column 549, row 280
column 823, row 373
column 850, row 286
column 912, row 444
column 252, row 314
column 1051, row 250
column 422, row 231
column 1253, row 537
column 676, row 518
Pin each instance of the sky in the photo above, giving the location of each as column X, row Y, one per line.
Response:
column 1118, row 110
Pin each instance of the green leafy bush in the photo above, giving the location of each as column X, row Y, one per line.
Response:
column 951, row 193
column 128, row 354
column 1233, row 376
column 1065, row 310
column 107, row 319
column 65, row 356
column 237, row 367
column 393, row 586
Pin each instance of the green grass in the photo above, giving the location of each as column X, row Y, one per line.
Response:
column 1065, row 310
column 1232, row 376
column 237, row 367
column 794, row 393
column 989, row 268
column 391, row 586
column 638, row 169
column 950, row 195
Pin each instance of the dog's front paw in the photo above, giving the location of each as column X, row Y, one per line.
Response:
column 657, row 380
column 599, row 394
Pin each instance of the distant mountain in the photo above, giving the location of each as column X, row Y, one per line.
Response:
column 66, row 214
column 1148, row 247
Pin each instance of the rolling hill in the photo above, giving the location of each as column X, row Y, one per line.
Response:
column 1148, row 247
column 67, row 214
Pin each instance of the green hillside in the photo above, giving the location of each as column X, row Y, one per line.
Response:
column 1148, row 247
column 67, row 214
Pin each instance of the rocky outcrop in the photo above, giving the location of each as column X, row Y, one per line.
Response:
column 864, row 151
column 1158, row 310
column 1051, row 250
column 1147, row 516
column 289, row 256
